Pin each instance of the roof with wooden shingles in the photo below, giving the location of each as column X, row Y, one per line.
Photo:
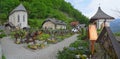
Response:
column 100, row 15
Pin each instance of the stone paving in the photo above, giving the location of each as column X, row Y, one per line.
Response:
column 18, row 51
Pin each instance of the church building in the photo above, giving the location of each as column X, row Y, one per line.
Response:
column 100, row 18
column 19, row 17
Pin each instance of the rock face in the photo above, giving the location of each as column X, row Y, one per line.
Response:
column 115, row 25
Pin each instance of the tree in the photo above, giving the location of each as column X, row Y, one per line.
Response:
column 42, row 9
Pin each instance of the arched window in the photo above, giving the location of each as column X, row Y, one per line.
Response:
column 18, row 18
column 23, row 18
column 20, row 25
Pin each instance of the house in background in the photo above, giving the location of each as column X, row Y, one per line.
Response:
column 77, row 26
column 100, row 18
column 19, row 17
column 74, row 23
column 52, row 23
column 81, row 26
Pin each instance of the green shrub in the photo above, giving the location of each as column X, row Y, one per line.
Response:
column 82, row 37
column 12, row 34
column 83, row 34
column 43, row 36
column 79, row 47
column 3, row 57
column 117, row 34
column 1, row 30
column 66, row 54
column 99, row 31
column 2, row 35
column 34, row 47
column 21, row 32
column 35, row 23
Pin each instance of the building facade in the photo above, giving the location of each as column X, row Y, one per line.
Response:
column 100, row 19
column 52, row 23
column 19, row 17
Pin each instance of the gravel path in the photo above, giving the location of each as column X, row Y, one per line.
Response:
column 14, row 51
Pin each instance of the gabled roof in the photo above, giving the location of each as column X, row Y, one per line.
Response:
column 100, row 15
column 19, row 8
column 55, row 21
column 9, row 24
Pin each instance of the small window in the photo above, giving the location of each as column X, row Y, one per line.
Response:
column 20, row 25
column 18, row 18
column 23, row 18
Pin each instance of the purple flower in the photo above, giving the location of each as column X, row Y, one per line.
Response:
column 80, row 47
column 72, row 48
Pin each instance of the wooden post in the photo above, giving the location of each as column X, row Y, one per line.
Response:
column 92, row 36
column 92, row 46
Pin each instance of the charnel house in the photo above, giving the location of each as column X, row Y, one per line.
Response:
column 52, row 23
column 100, row 18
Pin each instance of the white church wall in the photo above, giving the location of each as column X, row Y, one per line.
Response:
column 101, row 21
column 21, row 22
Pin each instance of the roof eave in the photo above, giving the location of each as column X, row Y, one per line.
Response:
column 94, row 19
column 17, row 11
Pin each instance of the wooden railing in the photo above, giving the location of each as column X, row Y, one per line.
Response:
column 109, row 44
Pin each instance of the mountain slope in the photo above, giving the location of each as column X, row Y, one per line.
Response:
column 42, row 9
column 115, row 25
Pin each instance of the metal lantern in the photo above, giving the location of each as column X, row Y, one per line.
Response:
column 92, row 32
column 92, row 36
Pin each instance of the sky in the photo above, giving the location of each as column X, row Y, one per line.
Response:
column 89, row 7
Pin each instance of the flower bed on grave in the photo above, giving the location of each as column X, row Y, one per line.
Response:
column 77, row 50
column 2, row 34
column 36, row 39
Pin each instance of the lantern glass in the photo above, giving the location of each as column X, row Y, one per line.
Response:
column 92, row 32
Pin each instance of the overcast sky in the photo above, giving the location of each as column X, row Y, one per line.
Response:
column 89, row 7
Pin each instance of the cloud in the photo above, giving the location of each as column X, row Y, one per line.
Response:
column 75, row 3
column 80, row 5
column 89, row 7
column 108, row 6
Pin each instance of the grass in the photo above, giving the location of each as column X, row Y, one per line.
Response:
column 3, row 57
column 2, row 35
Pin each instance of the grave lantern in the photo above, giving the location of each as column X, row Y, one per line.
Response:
column 92, row 36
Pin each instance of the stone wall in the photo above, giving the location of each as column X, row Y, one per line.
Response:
column 48, row 25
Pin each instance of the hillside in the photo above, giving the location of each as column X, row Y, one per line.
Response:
column 42, row 9
column 115, row 25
